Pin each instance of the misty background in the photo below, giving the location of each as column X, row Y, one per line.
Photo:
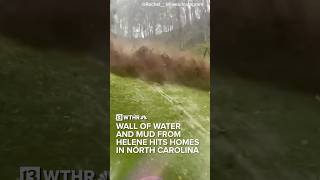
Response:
column 167, row 21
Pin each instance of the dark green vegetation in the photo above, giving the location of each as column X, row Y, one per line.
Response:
column 256, row 37
column 267, row 121
column 202, row 50
column 52, row 110
column 263, row 132
column 73, row 24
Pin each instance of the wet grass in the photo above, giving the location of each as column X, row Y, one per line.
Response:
column 161, row 103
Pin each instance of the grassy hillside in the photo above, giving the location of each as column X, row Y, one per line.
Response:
column 167, row 103
column 260, row 131
column 52, row 110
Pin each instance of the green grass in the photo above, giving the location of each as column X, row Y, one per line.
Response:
column 261, row 131
column 167, row 103
column 52, row 110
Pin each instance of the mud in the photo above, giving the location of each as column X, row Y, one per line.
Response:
column 150, row 65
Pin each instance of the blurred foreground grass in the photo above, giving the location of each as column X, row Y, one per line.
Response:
column 264, row 132
column 52, row 110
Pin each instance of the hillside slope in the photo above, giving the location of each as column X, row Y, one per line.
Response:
column 161, row 103
column 260, row 131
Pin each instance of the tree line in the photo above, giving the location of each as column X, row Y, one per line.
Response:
column 148, row 18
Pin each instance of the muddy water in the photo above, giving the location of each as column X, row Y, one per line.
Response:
column 146, row 63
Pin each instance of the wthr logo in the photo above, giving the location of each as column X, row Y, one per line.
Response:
column 30, row 173
column 36, row 173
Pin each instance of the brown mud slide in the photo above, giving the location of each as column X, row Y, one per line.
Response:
column 148, row 65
